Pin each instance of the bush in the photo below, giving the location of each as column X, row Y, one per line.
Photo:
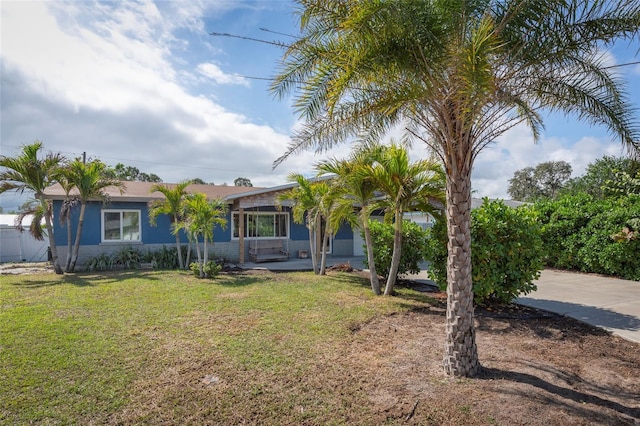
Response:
column 413, row 245
column 211, row 269
column 506, row 252
column 594, row 235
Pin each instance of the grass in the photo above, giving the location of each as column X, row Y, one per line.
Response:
column 165, row 347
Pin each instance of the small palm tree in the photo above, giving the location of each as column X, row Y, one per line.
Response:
column 200, row 216
column 70, row 202
column 172, row 205
column 354, row 177
column 405, row 185
column 29, row 172
column 90, row 182
column 305, row 209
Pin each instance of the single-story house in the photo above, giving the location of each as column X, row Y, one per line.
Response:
column 252, row 216
column 124, row 222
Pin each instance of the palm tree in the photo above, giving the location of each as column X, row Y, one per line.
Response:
column 28, row 172
column 172, row 205
column 32, row 208
column 68, row 205
column 455, row 75
column 355, row 177
column 199, row 219
column 90, row 181
column 405, row 185
column 305, row 209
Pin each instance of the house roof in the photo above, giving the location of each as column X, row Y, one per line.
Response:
column 141, row 191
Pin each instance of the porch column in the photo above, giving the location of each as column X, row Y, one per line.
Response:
column 241, row 234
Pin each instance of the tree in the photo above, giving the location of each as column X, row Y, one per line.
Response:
column 29, row 172
column 455, row 75
column 199, row 219
column 172, row 205
column 604, row 175
column 405, row 185
column 90, row 181
column 68, row 205
column 305, row 209
column 545, row 180
column 130, row 173
column 241, row 181
column 355, row 177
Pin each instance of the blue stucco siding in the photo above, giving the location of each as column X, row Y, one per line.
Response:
column 92, row 228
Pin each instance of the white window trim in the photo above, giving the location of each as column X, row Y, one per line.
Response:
column 102, row 214
column 236, row 214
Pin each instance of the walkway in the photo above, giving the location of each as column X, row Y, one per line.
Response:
column 605, row 302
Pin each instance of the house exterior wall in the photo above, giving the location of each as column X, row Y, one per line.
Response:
column 153, row 238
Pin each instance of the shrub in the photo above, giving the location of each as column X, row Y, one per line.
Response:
column 593, row 235
column 126, row 258
column 413, row 245
column 211, row 269
column 506, row 252
column 101, row 262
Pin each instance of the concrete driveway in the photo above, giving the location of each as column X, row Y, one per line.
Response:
column 606, row 302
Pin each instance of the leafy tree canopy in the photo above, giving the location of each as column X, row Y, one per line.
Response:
column 241, row 181
column 608, row 177
column 130, row 173
column 543, row 181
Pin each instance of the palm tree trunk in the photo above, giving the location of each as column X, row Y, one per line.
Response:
column 395, row 256
column 312, row 249
column 188, row 252
column 461, row 353
column 205, row 257
column 76, row 243
column 69, row 243
column 325, row 241
column 52, row 241
column 375, row 282
column 199, row 257
column 180, row 259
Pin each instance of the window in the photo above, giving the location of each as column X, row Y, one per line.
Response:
column 262, row 225
column 120, row 225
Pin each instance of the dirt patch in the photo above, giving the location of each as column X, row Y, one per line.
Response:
column 25, row 268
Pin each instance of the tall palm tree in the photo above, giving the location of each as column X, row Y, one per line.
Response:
column 405, row 185
column 456, row 75
column 90, row 181
column 28, row 172
column 172, row 205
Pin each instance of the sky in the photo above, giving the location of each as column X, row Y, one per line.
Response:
column 145, row 84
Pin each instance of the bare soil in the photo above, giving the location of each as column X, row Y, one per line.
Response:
column 537, row 369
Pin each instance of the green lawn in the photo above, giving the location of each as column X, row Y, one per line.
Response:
column 164, row 347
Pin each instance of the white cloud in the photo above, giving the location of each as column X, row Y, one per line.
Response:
column 214, row 72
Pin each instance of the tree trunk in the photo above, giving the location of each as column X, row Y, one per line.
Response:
column 205, row 257
column 76, row 243
column 69, row 243
column 375, row 282
column 312, row 247
column 323, row 250
column 395, row 257
column 180, row 259
column 199, row 257
column 187, row 264
column 461, row 354
column 52, row 241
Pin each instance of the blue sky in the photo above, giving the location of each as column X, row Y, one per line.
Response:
column 143, row 83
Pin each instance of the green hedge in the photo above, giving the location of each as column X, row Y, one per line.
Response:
column 506, row 252
column 594, row 235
